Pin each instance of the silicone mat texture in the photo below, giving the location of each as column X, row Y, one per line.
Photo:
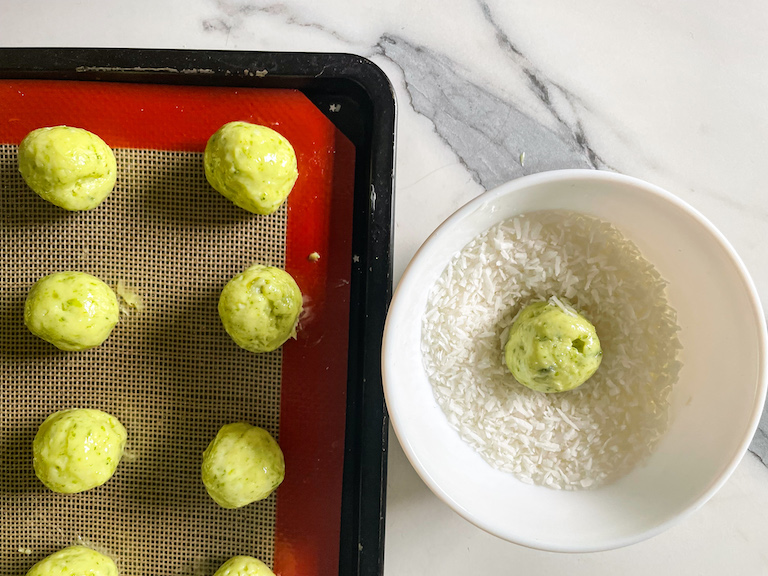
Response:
column 169, row 372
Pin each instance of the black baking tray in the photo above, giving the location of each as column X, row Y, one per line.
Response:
column 367, row 118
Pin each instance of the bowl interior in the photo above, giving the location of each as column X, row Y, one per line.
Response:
column 714, row 406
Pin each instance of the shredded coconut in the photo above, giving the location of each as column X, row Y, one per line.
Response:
column 572, row 440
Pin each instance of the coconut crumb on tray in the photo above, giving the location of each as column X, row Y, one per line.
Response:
column 129, row 300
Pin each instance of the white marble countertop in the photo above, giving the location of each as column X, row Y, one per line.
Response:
column 671, row 92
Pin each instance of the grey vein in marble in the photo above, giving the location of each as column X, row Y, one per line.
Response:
column 487, row 133
column 759, row 445
column 233, row 15
column 542, row 87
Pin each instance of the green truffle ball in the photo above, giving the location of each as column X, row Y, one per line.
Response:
column 241, row 465
column 260, row 308
column 71, row 310
column 69, row 167
column 244, row 566
column 251, row 165
column 74, row 561
column 76, row 450
column 551, row 349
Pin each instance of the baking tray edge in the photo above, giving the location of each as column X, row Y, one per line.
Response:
column 371, row 125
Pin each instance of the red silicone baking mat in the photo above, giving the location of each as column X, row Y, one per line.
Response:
column 170, row 372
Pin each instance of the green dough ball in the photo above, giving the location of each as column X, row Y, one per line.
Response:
column 552, row 350
column 244, row 566
column 76, row 450
column 252, row 165
column 71, row 310
column 69, row 167
column 74, row 561
column 260, row 308
column 241, row 465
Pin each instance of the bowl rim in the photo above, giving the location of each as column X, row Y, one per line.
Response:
column 564, row 176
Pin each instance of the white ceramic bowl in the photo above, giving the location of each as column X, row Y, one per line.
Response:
column 715, row 405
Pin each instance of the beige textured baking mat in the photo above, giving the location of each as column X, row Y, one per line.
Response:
column 169, row 373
